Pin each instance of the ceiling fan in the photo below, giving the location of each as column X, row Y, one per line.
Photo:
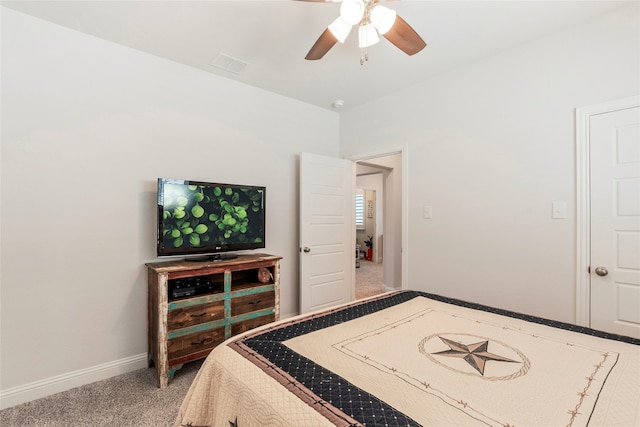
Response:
column 372, row 19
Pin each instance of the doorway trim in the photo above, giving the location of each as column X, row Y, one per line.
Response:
column 403, row 151
column 583, row 201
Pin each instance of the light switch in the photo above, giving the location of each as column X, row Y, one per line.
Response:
column 559, row 210
column 427, row 212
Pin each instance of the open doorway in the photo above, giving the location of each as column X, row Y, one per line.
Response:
column 369, row 232
column 379, row 235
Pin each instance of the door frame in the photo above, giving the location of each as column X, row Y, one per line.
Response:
column 403, row 150
column 583, row 201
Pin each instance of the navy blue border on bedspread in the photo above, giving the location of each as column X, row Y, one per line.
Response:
column 343, row 395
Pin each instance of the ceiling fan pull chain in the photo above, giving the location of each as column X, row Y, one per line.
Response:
column 364, row 55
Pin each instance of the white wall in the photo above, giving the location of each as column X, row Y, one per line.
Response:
column 491, row 146
column 87, row 128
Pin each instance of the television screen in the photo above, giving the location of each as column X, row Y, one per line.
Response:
column 207, row 218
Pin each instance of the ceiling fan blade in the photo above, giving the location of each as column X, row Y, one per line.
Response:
column 404, row 37
column 322, row 45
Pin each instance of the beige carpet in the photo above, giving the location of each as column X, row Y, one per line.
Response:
column 131, row 399
column 369, row 279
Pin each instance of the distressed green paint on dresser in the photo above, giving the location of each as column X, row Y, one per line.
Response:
column 244, row 302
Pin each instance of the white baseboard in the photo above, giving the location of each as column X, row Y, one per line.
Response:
column 48, row 386
column 288, row 316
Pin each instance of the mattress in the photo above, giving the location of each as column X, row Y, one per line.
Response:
column 410, row 358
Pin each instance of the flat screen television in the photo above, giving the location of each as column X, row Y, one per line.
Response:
column 205, row 218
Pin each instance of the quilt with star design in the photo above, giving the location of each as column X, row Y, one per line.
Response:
column 415, row 359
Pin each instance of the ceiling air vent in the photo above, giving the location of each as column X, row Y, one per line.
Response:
column 228, row 63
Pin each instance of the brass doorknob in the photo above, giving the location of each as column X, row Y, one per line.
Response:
column 601, row 271
column 306, row 249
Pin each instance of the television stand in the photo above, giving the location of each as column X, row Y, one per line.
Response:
column 232, row 297
column 212, row 258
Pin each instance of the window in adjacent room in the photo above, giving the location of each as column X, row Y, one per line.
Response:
column 359, row 209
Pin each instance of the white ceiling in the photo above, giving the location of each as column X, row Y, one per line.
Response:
column 273, row 36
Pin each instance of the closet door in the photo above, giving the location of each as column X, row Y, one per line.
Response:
column 614, row 140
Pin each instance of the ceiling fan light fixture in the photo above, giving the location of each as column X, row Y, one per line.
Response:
column 367, row 35
column 340, row 29
column 383, row 18
column 373, row 21
column 352, row 11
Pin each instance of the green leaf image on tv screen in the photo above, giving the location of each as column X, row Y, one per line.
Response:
column 195, row 215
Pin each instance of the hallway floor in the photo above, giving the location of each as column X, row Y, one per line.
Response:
column 368, row 279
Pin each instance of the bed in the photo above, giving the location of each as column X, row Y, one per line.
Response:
column 409, row 358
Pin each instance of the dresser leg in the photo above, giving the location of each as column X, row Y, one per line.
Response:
column 172, row 371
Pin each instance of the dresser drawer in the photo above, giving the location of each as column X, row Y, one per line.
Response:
column 253, row 302
column 188, row 316
column 192, row 343
column 245, row 325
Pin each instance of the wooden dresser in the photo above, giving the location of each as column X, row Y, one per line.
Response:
column 196, row 305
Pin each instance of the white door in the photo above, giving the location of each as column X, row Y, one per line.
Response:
column 327, row 245
column 615, row 221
